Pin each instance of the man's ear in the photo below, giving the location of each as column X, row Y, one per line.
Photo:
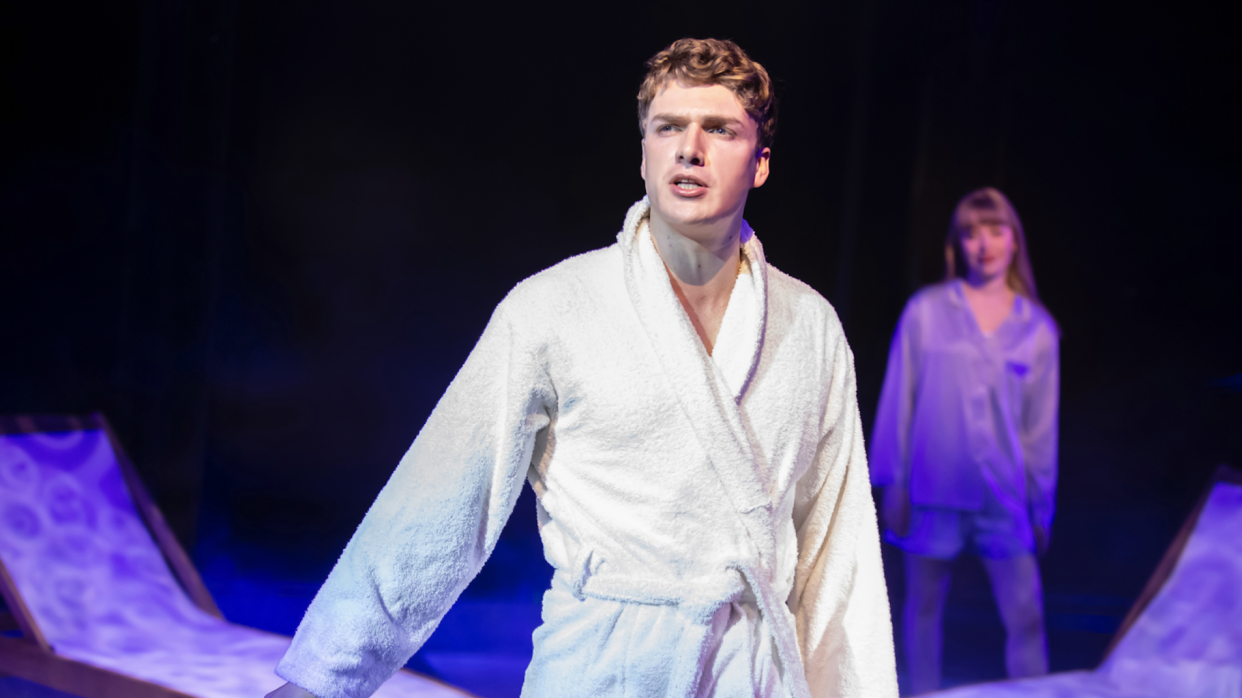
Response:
column 642, row 166
column 763, row 162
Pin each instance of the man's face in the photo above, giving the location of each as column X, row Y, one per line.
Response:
column 700, row 156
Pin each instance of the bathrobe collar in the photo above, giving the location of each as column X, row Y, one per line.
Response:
column 740, row 340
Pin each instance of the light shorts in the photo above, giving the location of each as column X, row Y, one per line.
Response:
column 944, row 534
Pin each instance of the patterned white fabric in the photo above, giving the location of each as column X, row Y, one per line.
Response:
column 100, row 590
column 1186, row 644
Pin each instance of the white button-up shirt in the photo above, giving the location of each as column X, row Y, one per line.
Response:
column 961, row 410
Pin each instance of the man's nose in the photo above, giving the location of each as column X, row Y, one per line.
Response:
column 690, row 150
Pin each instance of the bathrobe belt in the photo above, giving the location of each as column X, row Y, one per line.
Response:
column 700, row 597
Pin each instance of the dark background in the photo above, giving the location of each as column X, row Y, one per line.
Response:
column 262, row 236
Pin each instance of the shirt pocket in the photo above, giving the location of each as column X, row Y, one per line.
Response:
column 1019, row 369
column 1016, row 377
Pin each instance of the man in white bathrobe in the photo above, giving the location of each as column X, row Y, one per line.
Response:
column 686, row 415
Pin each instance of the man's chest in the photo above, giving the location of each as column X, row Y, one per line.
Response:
column 613, row 392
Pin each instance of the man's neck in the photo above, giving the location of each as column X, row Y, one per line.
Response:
column 702, row 269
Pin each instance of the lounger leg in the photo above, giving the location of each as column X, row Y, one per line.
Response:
column 927, row 589
column 1020, row 599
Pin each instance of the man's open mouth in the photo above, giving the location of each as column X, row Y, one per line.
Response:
column 687, row 184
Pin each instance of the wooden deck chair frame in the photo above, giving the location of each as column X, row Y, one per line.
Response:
column 30, row 657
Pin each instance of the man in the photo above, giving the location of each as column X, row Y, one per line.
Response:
column 686, row 415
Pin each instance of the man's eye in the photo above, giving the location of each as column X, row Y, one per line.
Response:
column 665, row 128
column 718, row 129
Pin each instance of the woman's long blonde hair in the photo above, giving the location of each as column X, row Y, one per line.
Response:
column 987, row 206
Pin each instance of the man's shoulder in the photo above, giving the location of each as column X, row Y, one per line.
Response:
column 799, row 302
column 568, row 282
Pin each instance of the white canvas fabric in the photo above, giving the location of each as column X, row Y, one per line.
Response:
column 709, row 517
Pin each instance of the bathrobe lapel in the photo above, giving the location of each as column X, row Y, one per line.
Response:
column 711, row 407
column 702, row 394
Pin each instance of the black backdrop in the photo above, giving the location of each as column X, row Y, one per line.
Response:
column 263, row 236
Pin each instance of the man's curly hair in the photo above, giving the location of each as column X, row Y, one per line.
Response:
column 712, row 62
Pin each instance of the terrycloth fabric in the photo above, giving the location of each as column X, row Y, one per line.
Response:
column 709, row 517
column 100, row 591
column 961, row 411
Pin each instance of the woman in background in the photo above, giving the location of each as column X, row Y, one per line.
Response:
column 965, row 440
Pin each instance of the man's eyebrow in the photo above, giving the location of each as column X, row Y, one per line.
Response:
column 707, row 119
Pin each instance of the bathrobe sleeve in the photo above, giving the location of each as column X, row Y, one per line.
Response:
column 1039, row 427
column 433, row 525
column 890, row 436
column 840, row 601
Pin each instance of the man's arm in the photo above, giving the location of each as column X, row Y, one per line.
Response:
column 840, row 600
column 432, row 526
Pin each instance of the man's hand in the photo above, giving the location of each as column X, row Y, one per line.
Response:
column 1042, row 540
column 897, row 510
column 290, row 691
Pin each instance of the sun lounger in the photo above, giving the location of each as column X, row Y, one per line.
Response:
column 107, row 602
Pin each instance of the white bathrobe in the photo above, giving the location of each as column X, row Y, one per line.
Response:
column 709, row 518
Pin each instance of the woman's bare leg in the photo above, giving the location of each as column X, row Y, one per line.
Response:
column 1020, row 598
column 927, row 589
